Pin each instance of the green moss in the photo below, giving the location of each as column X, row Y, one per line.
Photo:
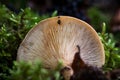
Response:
column 112, row 53
column 14, row 27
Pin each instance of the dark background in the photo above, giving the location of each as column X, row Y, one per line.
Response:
column 94, row 12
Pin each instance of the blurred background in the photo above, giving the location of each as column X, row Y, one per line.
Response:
column 17, row 17
column 94, row 12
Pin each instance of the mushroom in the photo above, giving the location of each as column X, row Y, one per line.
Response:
column 64, row 38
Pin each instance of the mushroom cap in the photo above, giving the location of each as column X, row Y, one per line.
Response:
column 56, row 38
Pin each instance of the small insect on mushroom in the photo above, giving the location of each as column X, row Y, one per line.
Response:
column 62, row 38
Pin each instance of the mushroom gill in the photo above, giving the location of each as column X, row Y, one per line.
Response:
column 62, row 38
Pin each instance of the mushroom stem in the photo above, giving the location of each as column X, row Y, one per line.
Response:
column 67, row 72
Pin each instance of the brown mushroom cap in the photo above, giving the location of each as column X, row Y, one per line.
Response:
column 56, row 38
